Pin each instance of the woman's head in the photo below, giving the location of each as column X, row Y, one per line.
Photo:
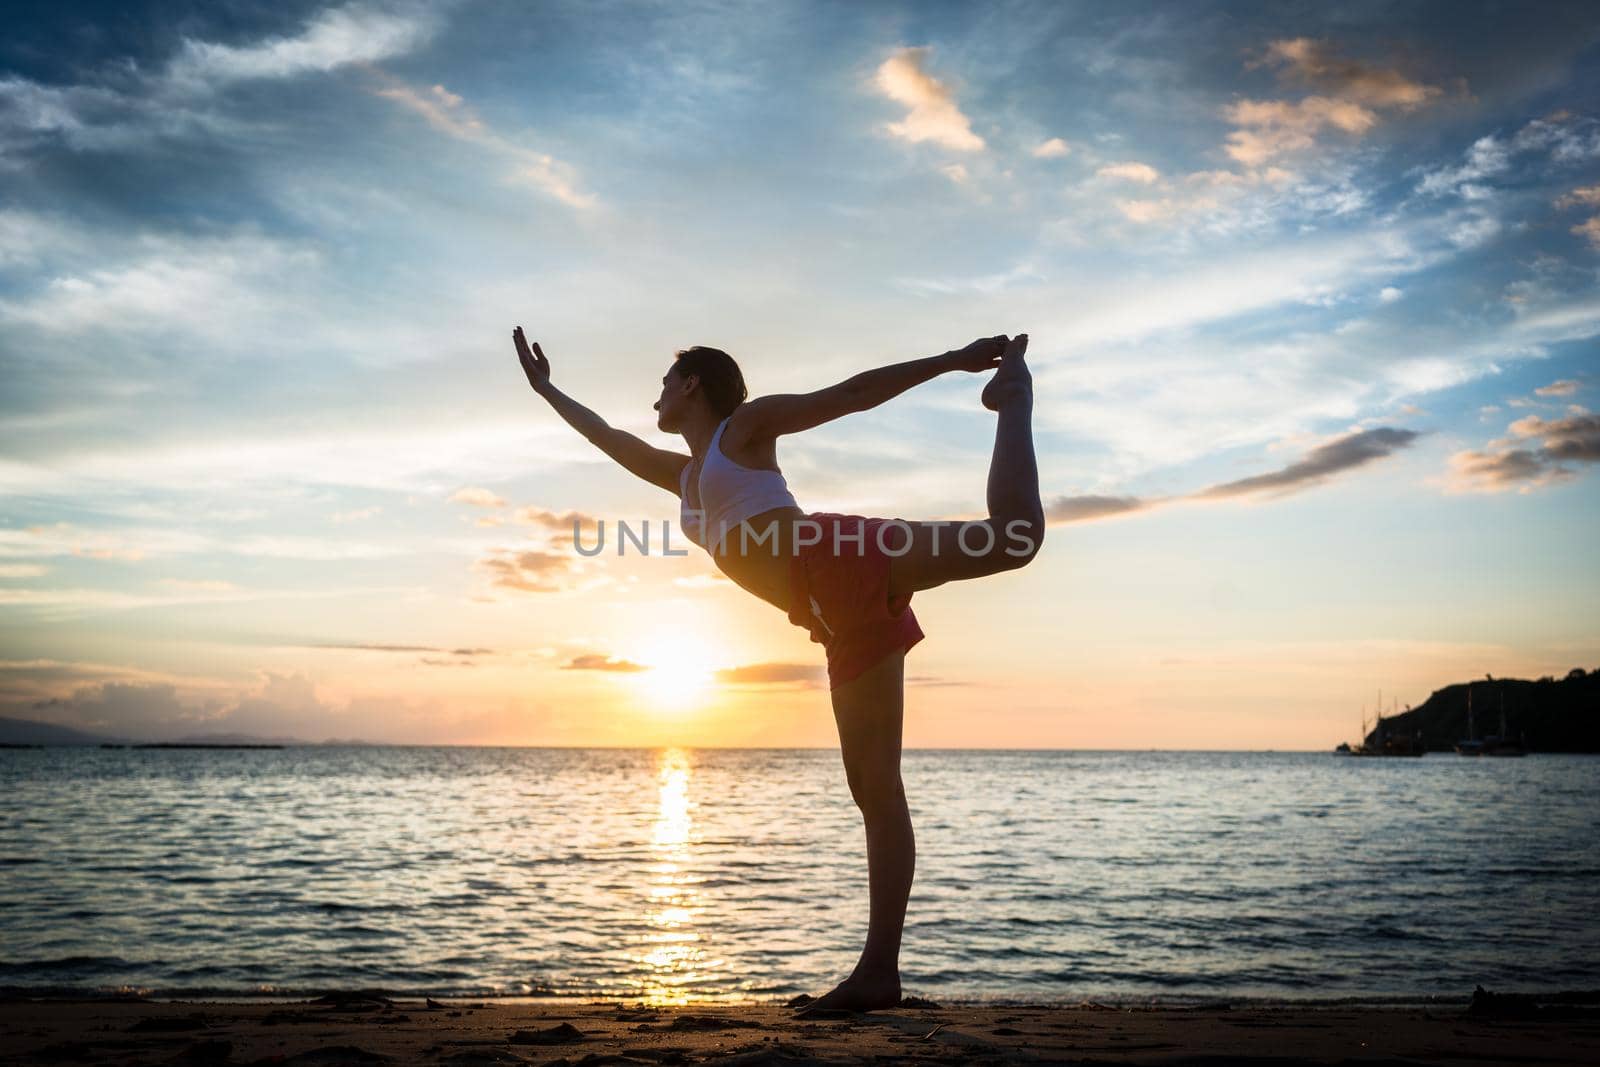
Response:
column 699, row 375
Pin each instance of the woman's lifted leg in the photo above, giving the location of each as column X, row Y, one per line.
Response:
column 1014, row 530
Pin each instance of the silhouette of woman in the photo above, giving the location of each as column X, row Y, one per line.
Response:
column 848, row 579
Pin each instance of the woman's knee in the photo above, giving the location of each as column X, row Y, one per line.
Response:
column 1007, row 543
column 875, row 793
column 1025, row 536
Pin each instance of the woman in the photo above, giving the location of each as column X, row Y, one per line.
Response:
column 848, row 579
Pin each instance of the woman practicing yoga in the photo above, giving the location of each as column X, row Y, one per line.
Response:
column 848, row 579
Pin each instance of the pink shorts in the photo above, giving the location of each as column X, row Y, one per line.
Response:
column 842, row 595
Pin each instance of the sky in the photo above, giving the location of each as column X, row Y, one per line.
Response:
column 1310, row 290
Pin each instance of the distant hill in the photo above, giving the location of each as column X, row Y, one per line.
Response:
column 235, row 739
column 1547, row 715
column 28, row 732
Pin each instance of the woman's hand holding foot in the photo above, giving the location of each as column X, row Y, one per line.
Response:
column 1012, row 380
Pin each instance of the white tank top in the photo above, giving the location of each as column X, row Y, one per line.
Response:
column 729, row 494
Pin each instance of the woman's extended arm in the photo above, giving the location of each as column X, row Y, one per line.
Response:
column 655, row 465
column 781, row 413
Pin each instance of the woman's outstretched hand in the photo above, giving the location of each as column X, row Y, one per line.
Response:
column 534, row 365
column 981, row 355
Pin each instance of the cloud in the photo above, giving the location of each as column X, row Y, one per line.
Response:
column 597, row 661
column 933, row 114
column 1389, row 294
column 1493, row 472
column 528, row 571
column 1564, row 387
column 1088, row 508
column 807, row 675
column 557, row 521
column 1314, row 63
column 1351, row 96
column 1273, row 128
column 1142, row 173
column 131, row 107
column 446, row 112
column 336, row 37
column 1054, row 148
column 1576, row 437
column 361, row 646
column 1316, row 466
column 478, row 497
column 1321, row 463
column 1145, row 211
column 1573, row 439
column 236, row 278
column 144, row 706
column 1487, row 157
column 1590, row 230
column 1587, row 196
column 955, row 172
column 1561, row 139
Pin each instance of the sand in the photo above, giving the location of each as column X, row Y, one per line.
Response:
column 357, row 1029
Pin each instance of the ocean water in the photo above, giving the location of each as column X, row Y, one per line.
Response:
column 691, row 875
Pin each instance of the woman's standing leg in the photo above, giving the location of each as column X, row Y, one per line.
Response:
column 869, row 711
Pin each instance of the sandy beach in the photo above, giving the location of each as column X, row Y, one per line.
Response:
column 360, row 1029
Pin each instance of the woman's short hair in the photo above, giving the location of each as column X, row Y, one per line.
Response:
column 719, row 376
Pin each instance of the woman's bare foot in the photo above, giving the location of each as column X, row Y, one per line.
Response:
column 857, row 993
column 1012, row 380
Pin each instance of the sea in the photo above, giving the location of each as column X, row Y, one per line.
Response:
column 704, row 875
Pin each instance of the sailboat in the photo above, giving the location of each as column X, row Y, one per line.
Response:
column 1499, row 744
column 1383, row 742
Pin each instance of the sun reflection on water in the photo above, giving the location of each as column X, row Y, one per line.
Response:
column 674, row 962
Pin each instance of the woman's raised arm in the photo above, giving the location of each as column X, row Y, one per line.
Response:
column 781, row 413
column 655, row 465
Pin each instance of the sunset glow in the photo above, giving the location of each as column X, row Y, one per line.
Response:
column 1313, row 297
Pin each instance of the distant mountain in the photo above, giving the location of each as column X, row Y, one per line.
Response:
column 1546, row 716
column 233, row 739
column 28, row 732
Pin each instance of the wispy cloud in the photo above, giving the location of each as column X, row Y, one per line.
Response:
column 123, row 106
column 599, row 661
column 1054, row 148
column 1142, row 173
column 478, row 497
column 449, row 114
column 333, row 38
column 1562, row 139
column 1352, row 96
column 933, row 114
column 1318, row 465
column 562, row 521
column 366, row 646
column 1314, row 63
column 1574, row 439
column 1088, row 508
column 805, row 675
column 527, row 570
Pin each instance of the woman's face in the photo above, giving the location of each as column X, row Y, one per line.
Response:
column 674, row 395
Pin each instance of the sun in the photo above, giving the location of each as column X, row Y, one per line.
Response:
column 679, row 671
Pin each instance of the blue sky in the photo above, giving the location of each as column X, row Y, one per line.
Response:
column 1311, row 294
